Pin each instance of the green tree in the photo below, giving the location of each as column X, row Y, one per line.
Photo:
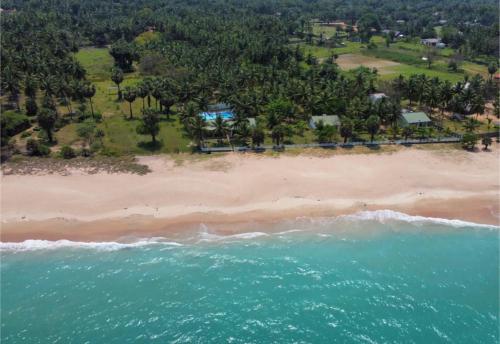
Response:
column 486, row 141
column 492, row 69
column 257, row 136
column 373, row 125
column 346, row 129
column 470, row 125
column 31, row 106
column 469, row 141
column 89, row 92
column 47, row 120
column 150, row 124
column 86, row 131
column 129, row 95
column 197, row 129
column 117, row 78
column 221, row 128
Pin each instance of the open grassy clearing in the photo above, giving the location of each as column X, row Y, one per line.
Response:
column 351, row 61
column 399, row 58
column 120, row 131
column 327, row 31
column 97, row 61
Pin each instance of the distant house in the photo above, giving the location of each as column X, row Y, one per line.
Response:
column 415, row 119
column 374, row 97
column 333, row 120
column 431, row 42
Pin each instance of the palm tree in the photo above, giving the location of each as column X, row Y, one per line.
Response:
column 346, row 129
column 486, row 141
column 166, row 102
column 196, row 127
column 117, row 78
column 278, row 133
column 470, row 125
column 89, row 92
column 373, row 125
column 11, row 80
column 221, row 128
column 129, row 95
column 142, row 91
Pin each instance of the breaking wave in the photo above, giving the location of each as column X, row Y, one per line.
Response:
column 205, row 235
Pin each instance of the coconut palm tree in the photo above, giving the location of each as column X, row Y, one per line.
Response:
column 221, row 128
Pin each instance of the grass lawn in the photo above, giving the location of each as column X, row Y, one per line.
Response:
column 97, row 61
column 121, row 137
column 327, row 31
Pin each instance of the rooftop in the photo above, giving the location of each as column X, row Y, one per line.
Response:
column 376, row 96
column 415, row 117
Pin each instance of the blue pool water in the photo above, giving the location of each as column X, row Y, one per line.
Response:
column 211, row 116
column 365, row 279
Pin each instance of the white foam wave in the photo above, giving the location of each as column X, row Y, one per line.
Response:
column 386, row 215
column 37, row 245
column 205, row 236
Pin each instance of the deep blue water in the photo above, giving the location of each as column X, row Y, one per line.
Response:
column 356, row 281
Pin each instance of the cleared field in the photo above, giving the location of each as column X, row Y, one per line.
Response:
column 97, row 61
column 351, row 61
column 327, row 31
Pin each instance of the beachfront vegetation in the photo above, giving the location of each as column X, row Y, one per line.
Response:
column 98, row 79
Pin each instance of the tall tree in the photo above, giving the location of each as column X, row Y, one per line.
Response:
column 150, row 124
column 117, row 78
column 129, row 95
column 47, row 120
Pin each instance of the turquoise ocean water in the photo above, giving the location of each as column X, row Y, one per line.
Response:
column 378, row 277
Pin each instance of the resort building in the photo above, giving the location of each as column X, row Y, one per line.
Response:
column 415, row 119
column 333, row 120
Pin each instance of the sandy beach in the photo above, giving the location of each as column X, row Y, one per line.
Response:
column 232, row 192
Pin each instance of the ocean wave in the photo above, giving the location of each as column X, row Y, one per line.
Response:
column 386, row 215
column 37, row 245
column 205, row 236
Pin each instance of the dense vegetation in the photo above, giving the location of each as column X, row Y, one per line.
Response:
column 184, row 56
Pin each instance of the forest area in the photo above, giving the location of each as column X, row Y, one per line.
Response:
column 119, row 78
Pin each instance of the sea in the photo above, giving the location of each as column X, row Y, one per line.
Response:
column 371, row 277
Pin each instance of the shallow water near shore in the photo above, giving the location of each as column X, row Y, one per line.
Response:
column 367, row 278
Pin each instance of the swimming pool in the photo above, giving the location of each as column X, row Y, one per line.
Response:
column 211, row 116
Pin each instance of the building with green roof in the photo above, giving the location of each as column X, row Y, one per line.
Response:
column 416, row 119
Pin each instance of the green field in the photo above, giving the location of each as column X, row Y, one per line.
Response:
column 407, row 53
column 120, row 132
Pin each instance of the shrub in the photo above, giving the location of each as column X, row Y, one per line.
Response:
column 35, row 148
column 67, row 152
column 469, row 141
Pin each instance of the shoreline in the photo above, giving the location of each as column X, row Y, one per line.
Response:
column 144, row 226
column 234, row 193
